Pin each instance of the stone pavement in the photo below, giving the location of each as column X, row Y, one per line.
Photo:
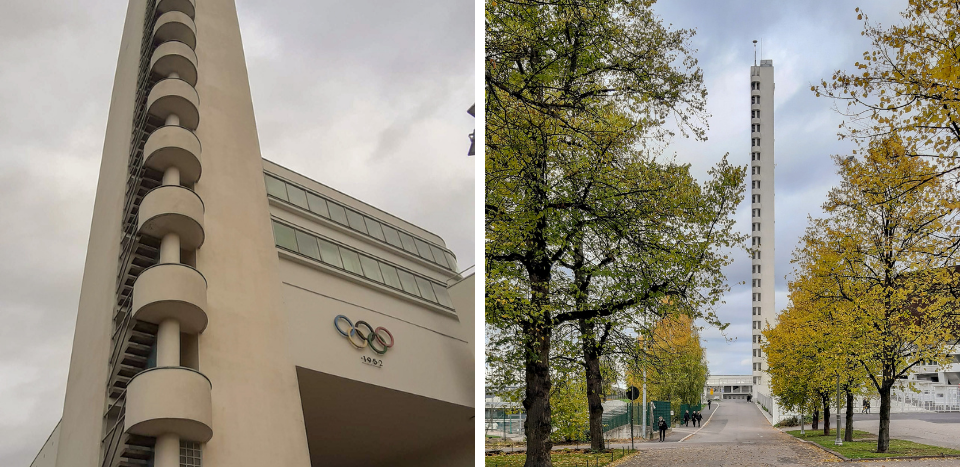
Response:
column 739, row 435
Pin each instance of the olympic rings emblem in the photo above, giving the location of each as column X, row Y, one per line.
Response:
column 361, row 338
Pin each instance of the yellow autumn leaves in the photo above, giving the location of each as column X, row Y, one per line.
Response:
column 875, row 281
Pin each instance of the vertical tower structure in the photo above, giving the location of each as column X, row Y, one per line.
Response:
column 178, row 338
column 762, row 215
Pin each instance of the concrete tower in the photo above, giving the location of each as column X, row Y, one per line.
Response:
column 233, row 312
column 177, row 242
column 762, row 217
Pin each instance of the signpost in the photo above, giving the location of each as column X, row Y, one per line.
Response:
column 632, row 394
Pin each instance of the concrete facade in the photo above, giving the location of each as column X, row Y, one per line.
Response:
column 203, row 334
column 762, row 226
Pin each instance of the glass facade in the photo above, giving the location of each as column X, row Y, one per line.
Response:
column 328, row 209
column 361, row 265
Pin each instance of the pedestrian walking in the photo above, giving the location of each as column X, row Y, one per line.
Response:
column 708, row 404
column 699, row 419
column 686, row 418
column 662, row 426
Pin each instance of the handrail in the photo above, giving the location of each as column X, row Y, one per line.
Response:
column 128, row 242
column 114, row 435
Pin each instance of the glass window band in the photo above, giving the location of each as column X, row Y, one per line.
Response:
column 370, row 268
column 328, row 209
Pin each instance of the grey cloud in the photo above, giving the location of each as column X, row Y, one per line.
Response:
column 808, row 40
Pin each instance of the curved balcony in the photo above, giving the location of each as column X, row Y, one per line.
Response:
column 175, row 96
column 173, row 146
column 173, row 209
column 187, row 7
column 175, row 26
column 175, row 57
column 170, row 400
column 171, row 290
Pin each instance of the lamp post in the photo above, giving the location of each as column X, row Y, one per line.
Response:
column 839, row 441
column 643, row 432
column 802, row 420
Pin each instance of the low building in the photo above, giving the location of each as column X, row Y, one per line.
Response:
column 726, row 387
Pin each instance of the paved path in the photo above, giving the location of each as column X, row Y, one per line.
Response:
column 739, row 435
column 937, row 429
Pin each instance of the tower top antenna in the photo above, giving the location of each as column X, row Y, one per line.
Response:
column 754, row 52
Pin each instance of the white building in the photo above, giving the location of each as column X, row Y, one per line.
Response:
column 727, row 387
column 236, row 313
column 930, row 388
column 763, row 309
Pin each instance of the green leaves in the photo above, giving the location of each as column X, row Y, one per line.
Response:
column 583, row 222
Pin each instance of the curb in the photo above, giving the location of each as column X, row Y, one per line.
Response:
column 701, row 426
column 835, row 453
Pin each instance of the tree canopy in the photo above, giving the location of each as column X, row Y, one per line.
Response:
column 908, row 84
column 876, row 277
column 579, row 94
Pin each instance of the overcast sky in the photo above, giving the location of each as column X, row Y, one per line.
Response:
column 807, row 40
column 367, row 97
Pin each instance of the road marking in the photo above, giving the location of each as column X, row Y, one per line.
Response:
column 701, row 426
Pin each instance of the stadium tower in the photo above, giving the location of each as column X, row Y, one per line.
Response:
column 762, row 219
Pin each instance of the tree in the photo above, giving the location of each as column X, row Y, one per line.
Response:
column 908, row 84
column 808, row 351
column 885, row 259
column 632, row 256
column 573, row 88
column 674, row 360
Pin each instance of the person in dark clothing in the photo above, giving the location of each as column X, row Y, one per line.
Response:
column 699, row 419
column 686, row 418
column 708, row 404
column 662, row 426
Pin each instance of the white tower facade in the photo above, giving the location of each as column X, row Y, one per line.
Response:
column 762, row 219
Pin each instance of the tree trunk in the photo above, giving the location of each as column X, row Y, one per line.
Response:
column 591, row 360
column 883, row 439
column 536, row 399
column 848, row 432
column 816, row 419
column 826, row 415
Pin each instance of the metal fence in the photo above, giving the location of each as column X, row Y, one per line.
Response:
column 931, row 397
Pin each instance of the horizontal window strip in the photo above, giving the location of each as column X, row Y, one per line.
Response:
column 359, row 264
column 384, row 233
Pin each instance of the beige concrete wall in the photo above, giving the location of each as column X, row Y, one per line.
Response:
column 81, row 426
column 463, row 295
column 350, row 201
column 48, row 453
column 257, row 419
column 433, row 353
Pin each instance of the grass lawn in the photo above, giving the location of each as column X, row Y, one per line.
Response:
column 565, row 458
column 867, row 449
